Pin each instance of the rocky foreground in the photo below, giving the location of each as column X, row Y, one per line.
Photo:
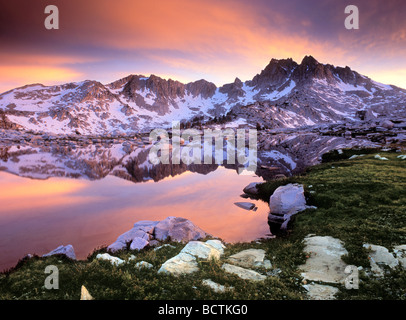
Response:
column 323, row 272
column 345, row 239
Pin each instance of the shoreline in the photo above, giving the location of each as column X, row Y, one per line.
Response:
column 364, row 186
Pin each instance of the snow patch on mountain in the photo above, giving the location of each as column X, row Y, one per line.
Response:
column 284, row 94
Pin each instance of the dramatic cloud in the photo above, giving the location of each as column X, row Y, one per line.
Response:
column 192, row 39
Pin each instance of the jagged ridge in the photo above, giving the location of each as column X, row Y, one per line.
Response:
column 284, row 94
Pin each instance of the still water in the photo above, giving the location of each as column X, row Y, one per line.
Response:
column 36, row 216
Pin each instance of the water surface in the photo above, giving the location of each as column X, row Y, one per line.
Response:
column 37, row 216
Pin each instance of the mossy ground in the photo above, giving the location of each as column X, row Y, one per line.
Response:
column 359, row 201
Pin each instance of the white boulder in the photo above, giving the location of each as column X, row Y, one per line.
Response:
column 288, row 200
column 320, row 292
column 202, row 250
column 185, row 262
column 217, row 244
column 113, row 260
column 380, row 158
column 380, row 256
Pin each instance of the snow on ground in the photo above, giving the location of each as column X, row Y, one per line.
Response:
column 276, row 155
column 275, row 95
column 250, row 92
column 236, row 123
column 382, row 86
column 349, row 87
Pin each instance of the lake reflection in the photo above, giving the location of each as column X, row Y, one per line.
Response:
column 37, row 216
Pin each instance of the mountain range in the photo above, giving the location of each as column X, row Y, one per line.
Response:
column 283, row 95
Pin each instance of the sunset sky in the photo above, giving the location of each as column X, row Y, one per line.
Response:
column 188, row 40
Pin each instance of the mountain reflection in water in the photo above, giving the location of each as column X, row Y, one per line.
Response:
column 36, row 216
column 86, row 192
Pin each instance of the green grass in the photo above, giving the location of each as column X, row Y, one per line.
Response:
column 105, row 281
column 359, row 201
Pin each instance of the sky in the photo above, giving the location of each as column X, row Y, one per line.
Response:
column 188, row 40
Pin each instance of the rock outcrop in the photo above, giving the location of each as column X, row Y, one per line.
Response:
column 113, row 260
column 185, row 262
column 68, row 251
column 323, row 264
column 320, row 291
column 284, row 203
column 143, row 232
column 324, row 261
column 245, row 205
column 380, row 257
column 178, row 229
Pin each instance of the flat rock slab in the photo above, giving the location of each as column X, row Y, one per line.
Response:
column 245, row 205
column 245, row 274
column 250, row 258
column 218, row 288
column 380, row 256
column 204, row 250
column 217, row 244
column 183, row 263
column 324, row 263
column 320, row 292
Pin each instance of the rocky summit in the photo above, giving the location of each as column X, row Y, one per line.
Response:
column 283, row 95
